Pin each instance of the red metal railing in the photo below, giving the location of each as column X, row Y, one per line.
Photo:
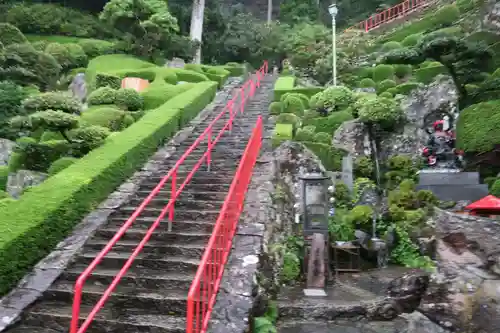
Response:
column 229, row 112
column 203, row 291
column 398, row 11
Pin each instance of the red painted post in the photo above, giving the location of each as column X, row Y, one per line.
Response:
column 230, row 109
column 242, row 94
column 209, row 149
column 173, row 193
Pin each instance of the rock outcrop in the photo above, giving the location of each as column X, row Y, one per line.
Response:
column 6, row 148
column 492, row 18
column 21, row 180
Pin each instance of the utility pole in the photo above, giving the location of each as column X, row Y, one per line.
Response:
column 269, row 11
column 196, row 30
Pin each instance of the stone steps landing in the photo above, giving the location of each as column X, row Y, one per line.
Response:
column 152, row 297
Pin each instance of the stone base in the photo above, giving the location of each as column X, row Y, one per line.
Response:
column 315, row 292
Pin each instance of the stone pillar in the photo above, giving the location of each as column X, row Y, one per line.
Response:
column 197, row 26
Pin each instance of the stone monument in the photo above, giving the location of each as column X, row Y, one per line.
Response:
column 316, row 264
column 78, row 87
column 176, row 63
column 347, row 177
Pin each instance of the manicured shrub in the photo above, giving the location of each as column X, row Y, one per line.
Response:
column 363, row 167
column 386, row 94
column 383, row 72
column 40, row 45
column 288, row 118
column 61, row 164
column 190, row 76
column 52, row 101
column 367, row 83
column 331, row 123
column 107, row 80
column 323, row 137
column 427, row 74
column 106, row 116
column 293, row 104
column 4, row 177
column 446, row 15
column 364, row 73
column 384, row 85
column 94, row 48
column 329, row 156
column 61, row 54
column 282, row 132
column 383, row 111
column 389, row 46
column 129, row 99
column 10, row 34
column 11, row 97
column 333, row 99
column 407, row 87
column 158, row 93
column 465, row 6
column 102, row 96
column 275, row 108
column 402, row 71
column 55, row 121
column 392, row 91
column 304, row 134
column 194, row 67
column 411, row 40
column 77, row 55
column 88, row 138
column 477, row 127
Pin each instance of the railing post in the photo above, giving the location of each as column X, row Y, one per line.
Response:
column 173, row 194
column 366, row 26
column 230, row 109
column 242, row 94
column 209, row 149
column 76, row 310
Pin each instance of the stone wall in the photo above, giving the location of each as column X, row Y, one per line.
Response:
column 492, row 16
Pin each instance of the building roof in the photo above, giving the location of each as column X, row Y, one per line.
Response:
column 489, row 202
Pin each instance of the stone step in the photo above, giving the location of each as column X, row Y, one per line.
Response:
column 160, row 249
column 188, row 166
column 161, row 201
column 146, row 279
column 116, row 260
column 168, row 238
column 201, row 177
column 189, row 194
column 149, row 301
column 143, row 223
column 57, row 316
column 181, row 214
column 192, row 187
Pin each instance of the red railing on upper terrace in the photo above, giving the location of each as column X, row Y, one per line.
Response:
column 398, row 11
column 237, row 103
column 203, row 291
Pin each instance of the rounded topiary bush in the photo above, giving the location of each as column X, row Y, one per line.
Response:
column 384, row 85
column 383, row 72
column 386, row 94
column 364, row 72
column 94, row 48
column 61, row 164
column 88, row 138
column 52, row 101
column 495, row 188
column 11, row 97
column 288, row 118
column 367, row 83
column 389, row 46
column 446, row 15
column 195, row 68
column 61, row 54
column 402, row 71
column 129, row 99
column 108, row 80
column 335, row 98
column 102, row 96
column 10, row 34
column 323, row 137
column 411, row 40
column 477, row 127
column 77, row 55
column 275, row 108
column 304, row 135
column 407, row 87
column 293, row 104
column 383, row 111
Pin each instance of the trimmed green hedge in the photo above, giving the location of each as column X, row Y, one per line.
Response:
column 282, row 132
column 427, row 74
column 33, row 225
column 329, row 156
column 286, row 84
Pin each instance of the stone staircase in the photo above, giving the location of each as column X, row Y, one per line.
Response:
column 152, row 296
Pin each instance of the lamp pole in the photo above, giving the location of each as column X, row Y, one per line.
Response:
column 332, row 9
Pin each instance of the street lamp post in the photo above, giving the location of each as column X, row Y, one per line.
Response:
column 332, row 9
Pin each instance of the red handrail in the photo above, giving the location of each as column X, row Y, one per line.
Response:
column 203, row 291
column 246, row 92
column 398, row 11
